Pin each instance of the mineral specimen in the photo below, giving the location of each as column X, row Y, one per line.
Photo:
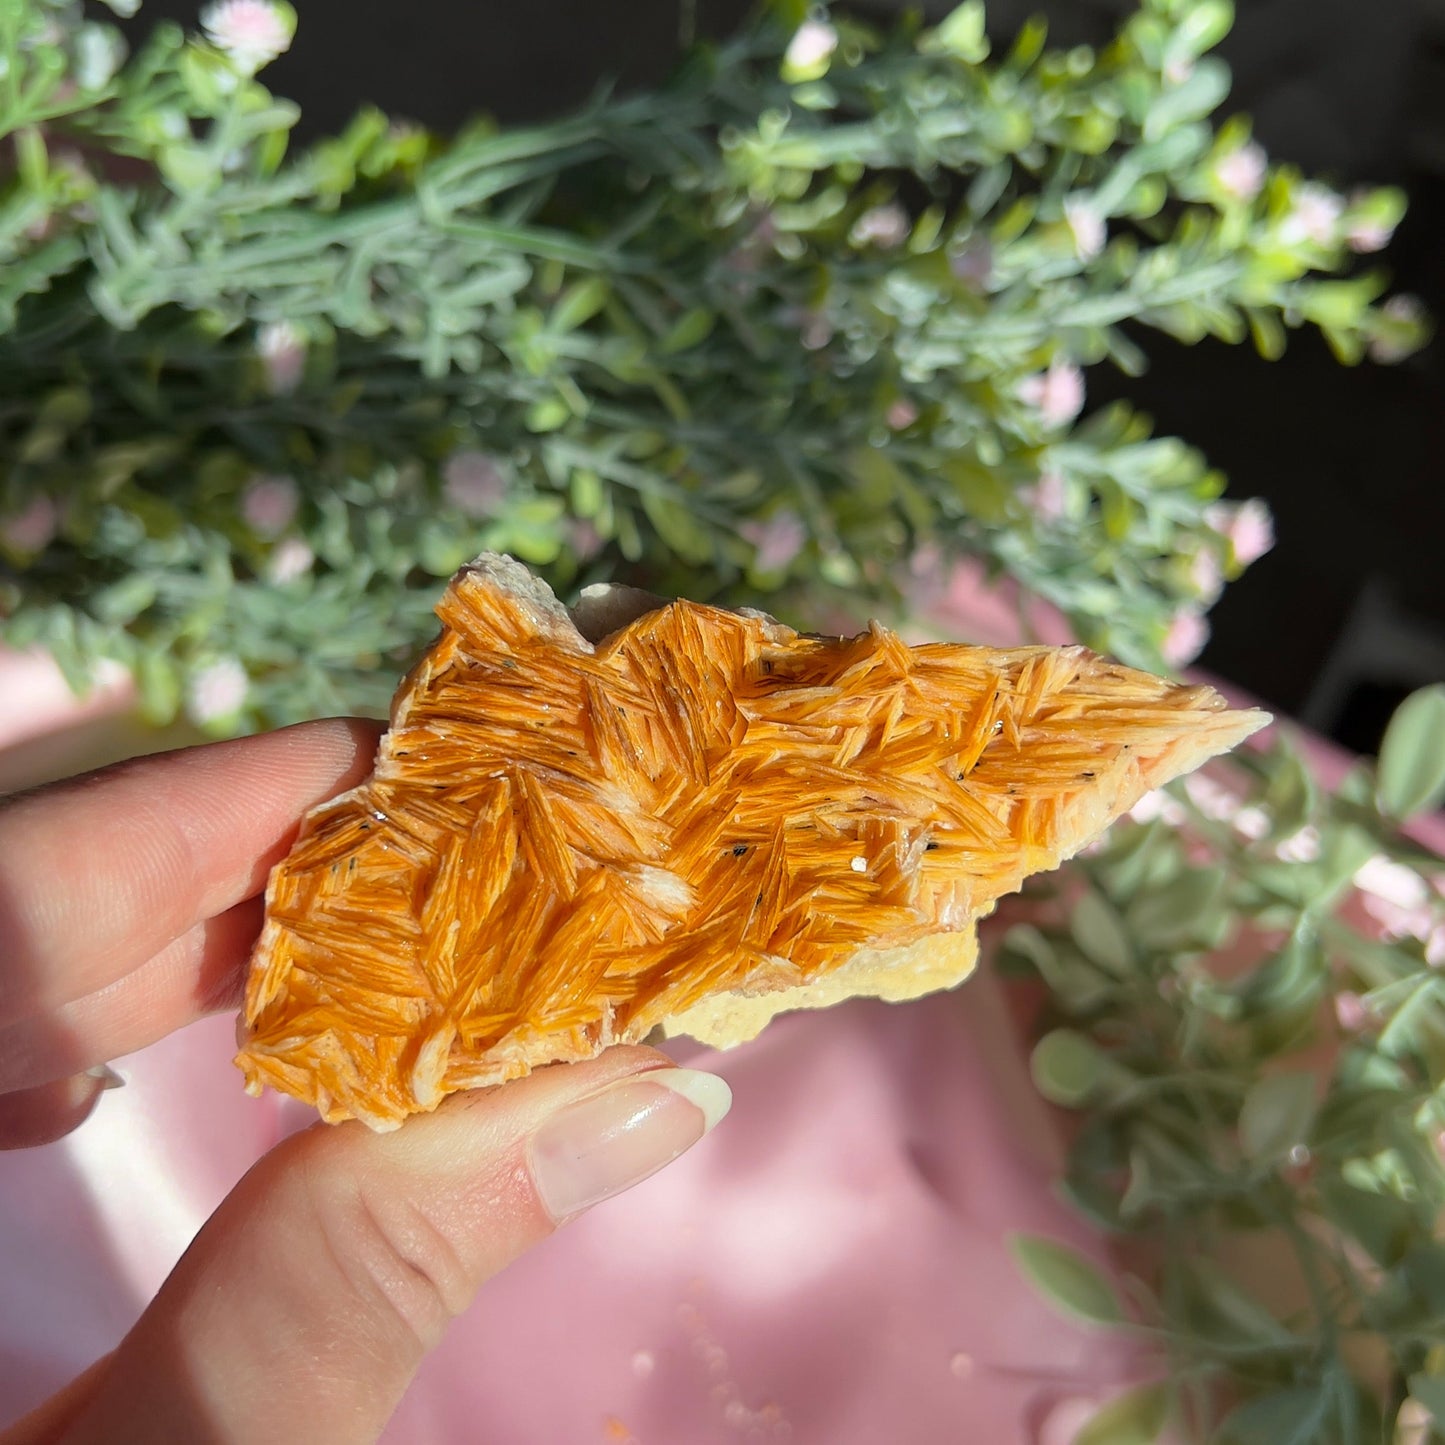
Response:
column 692, row 823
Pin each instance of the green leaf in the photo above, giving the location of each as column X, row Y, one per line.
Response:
column 1412, row 756
column 1068, row 1067
column 1287, row 1417
column 1343, row 851
column 1072, row 1284
column 1076, row 984
column 441, row 550
column 1424, row 1270
column 1381, row 1224
column 1176, row 913
column 1276, row 1115
column 1291, row 794
column 205, row 77
column 984, row 493
column 1100, row 933
column 1220, row 1309
column 687, row 331
column 124, row 600
column 158, row 688
column 678, row 527
column 962, row 33
column 1204, row 25
column 1136, row 855
column 1267, row 331
column 1135, row 1418
column 187, row 168
column 879, row 479
column 588, row 492
column 1200, row 95
column 99, row 52
column 579, row 304
column 548, row 415
column 1025, row 939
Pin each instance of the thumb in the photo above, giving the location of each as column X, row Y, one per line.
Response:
column 303, row 1308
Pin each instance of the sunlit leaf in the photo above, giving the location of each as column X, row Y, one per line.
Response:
column 1135, row 1418
column 1069, row 1281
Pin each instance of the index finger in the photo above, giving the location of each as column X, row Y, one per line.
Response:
column 99, row 874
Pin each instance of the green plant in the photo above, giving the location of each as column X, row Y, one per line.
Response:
column 804, row 322
column 1247, row 1012
column 815, row 309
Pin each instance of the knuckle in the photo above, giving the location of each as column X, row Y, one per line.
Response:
column 399, row 1263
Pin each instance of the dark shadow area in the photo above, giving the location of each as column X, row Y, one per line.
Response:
column 443, row 62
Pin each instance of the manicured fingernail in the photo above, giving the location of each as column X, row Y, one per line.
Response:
column 600, row 1145
column 108, row 1077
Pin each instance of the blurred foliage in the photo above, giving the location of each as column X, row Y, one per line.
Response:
column 818, row 307
column 1247, row 1012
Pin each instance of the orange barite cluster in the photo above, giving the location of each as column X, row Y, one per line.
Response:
column 564, row 846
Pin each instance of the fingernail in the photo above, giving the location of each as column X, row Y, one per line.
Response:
column 600, row 1145
column 108, row 1077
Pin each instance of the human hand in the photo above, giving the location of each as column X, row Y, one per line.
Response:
column 129, row 901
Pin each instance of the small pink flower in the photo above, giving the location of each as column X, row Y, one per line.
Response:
column 1185, row 639
column 584, row 539
column 1301, row 847
column 1057, row 393
column 1365, row 236
column 1212, row 799
column 252, row 32
column 269, row 505
column 1248, row 528
column 1402, row 311
column 1315, row 217
column 815, row 330
column 811, row 47
column 292, row 558
column 1392, row 882
column 281, row 345
column 1351, row 1012
column 1435, row 947
column 973, row 265
column 33, row 527
column 1205, row 576
column 217, row 691
column 1087, row 227
column 1396, row 897
column 1049, row 496
column 1240, row 173
column 1251, row 823
column 885, row 226
column 778, row 540
column 755, row 247
column 901, row 414
column 1178, row 70
column 923, row 581
column 1158, row 804
column 474, row 484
